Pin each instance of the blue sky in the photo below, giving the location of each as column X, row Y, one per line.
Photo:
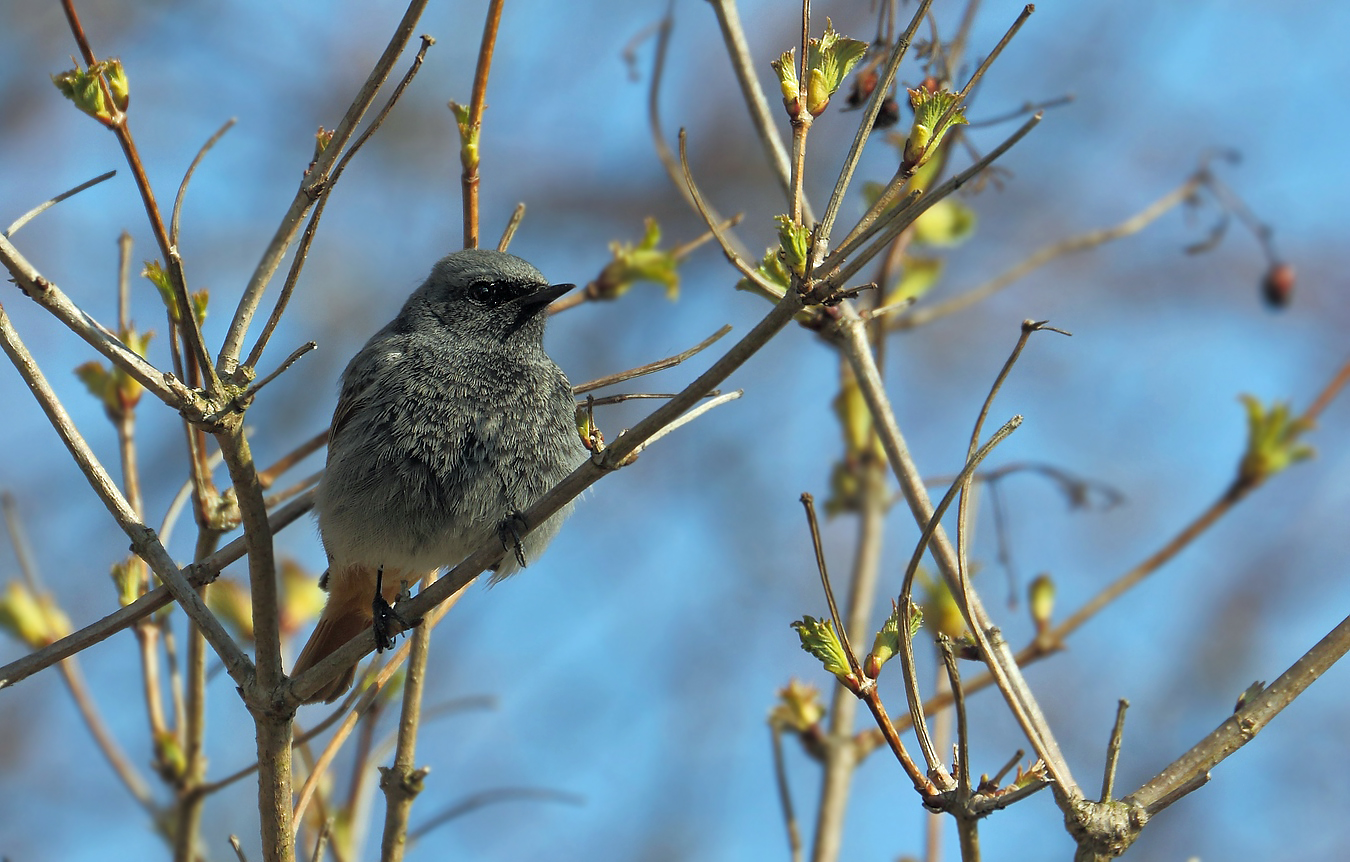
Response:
column 635, row 663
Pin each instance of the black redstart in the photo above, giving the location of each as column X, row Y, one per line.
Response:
column 452, row 419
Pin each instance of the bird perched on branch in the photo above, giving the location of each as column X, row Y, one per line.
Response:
column 452, row 420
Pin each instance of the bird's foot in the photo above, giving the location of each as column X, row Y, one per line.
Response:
column 510, row 530
column 385, row 615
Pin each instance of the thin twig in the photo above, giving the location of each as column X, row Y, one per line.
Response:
column 840, row 754
column 490, row 551
column 963, row 507
column 884, row 83
column 738, row 50
column 312, row 187
column 402, row 782
column 1054, row 251
column 371, row 691
column 631, row 396
column 967, row 826
column 43, row 207
column 809, row 503
column 889, row 225
column 1192, row 769
column 517, row 215
column 1028, row 108
column 469, row 179
column 1327, row 395
column 484, row 798
column 192, row 730
column 688, row 417
column 252, row 391
column 1113, row 751
column 728, row 248
column 165, row 387
column 321, row 842
column 306, row 239
column 992, row 647
column 143, row 539
column 963, row 783
column 187, row 178
column 197, row 574
column 191, row 328
column 70, row 669
column 780, row 776
column 650, row 367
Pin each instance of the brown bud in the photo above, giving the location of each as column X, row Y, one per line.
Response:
column 1278, row 285
column 863, row 84
column 889, row 114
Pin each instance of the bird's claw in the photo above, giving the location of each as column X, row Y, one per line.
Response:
column 509, row 530
column 385, row 615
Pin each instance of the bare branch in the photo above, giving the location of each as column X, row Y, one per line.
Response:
column 312, row 188
column 651, row 367
column 143, row 539
column 879, row 93
column 517, row 215
column 198, row 574
column 302, row 250
column 1049, row 253
column 992, row 647
column 469, row 149
column 1113, row 751
column 162, row 385
column 187, row 178
column 1191, row 770
column 738, row 51
column 43, row 207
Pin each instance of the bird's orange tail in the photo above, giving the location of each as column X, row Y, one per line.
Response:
column 337, row 625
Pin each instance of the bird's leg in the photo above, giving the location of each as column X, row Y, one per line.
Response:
column 509, row 530
column 384, row 614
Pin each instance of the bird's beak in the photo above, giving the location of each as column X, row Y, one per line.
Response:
column 542, row 298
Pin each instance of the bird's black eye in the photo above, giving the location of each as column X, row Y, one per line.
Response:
column 484, row 293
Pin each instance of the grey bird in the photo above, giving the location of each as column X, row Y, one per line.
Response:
column 452, row 420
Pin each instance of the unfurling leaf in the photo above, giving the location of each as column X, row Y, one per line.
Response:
column 772, row 270
column 85, row 91
column 117, row 82
column 887, row 641
column 119, row 391
column 819, row 639
column 468, row 135
column 170, row 759
column 1273, row 441
column 322, row 138
column 948, row 222
column 302, row 599
column 798, row 708
column 793, row 242
column 919, row 274
column 785, row 67
column 156, row 274
column 32, row 618
column 940, row 610
column 829, row 59
column 128, row 577
column 641, row 262
column 930, row 127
